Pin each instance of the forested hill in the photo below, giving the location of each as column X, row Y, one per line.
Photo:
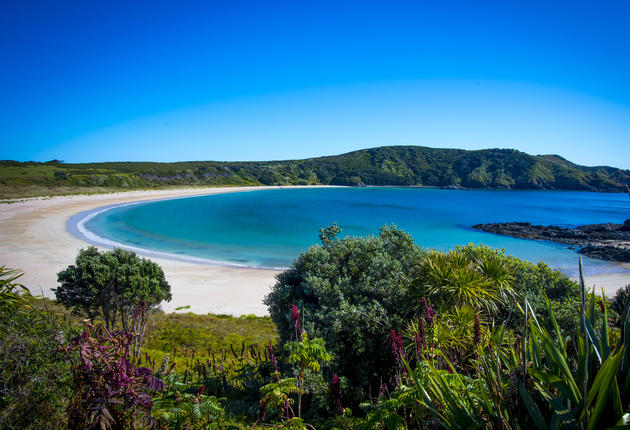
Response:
column 392, row 165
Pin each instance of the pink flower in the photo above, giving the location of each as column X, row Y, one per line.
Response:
column 336, row 391
column 397, row 345
column 272, row 357
column 295, row 316
column 393, row 338
column 429, row 313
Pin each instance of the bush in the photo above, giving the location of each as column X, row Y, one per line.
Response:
column 352, row 292
column 109, row 390
column 534, row 281
column 619, row 303
column 35, row 379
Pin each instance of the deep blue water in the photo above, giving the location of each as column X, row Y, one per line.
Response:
column 271, row 227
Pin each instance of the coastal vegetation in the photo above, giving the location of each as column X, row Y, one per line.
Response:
column 392, row 165
column 363, row 333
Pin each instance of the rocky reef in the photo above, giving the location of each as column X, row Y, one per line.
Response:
column 610, row 242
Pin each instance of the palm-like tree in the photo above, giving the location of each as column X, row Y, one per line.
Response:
column 456, row 279
column 12, row 293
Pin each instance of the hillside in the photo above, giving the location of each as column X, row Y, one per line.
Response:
column 392, row 165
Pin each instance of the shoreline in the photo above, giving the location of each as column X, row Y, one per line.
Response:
column 76, row 227
column 37, row 240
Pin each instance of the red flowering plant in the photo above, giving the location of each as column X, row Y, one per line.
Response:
column 110, row 391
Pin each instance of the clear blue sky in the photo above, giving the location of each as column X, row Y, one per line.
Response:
column 200, row 80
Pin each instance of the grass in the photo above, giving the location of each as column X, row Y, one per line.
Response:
column 12, row 193
column 187, row 337
column 8, row 193
column 218, row 338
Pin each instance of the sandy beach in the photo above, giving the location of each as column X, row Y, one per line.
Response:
column 35, row 240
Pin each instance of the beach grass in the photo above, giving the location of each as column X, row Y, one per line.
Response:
column 187, row 338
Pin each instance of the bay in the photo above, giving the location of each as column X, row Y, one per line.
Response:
column 269, row 228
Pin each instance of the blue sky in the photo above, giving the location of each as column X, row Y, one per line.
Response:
column 199, row 80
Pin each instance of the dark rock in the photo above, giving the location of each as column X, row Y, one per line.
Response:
column 608, row 253
column 608, row 241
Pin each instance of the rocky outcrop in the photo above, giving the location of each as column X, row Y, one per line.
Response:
column 608, row 253
column 608, row 241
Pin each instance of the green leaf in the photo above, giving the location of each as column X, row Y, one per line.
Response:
column 532, row 408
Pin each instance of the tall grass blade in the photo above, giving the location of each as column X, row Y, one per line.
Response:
column 584, row 382
column 532, row 408
column 605, row 337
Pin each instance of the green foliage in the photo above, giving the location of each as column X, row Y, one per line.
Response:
column 619, row 303
column 306, row 355
column 393, row 165
column 180, row 407
column 12, row 293
column 482, row 361
column 541, row 381
column 586, row 390
column 189, row 337
column 35, row 379
column 355, row 290
column 453, row 335
column 352, row 292
column 459, row 278
column 111, row 284
column 278, row 394
column 533, row 282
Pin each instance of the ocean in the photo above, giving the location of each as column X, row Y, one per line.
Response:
column 269, row 228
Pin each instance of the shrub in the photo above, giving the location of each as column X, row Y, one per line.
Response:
column 110, row 391
column 619, row 302
column 352, row 291
column 35, row 379
column 533, row 282
column 459, row 278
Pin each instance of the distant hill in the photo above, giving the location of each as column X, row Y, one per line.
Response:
column 389, row 165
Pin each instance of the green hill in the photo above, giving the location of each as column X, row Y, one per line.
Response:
column 390, row 165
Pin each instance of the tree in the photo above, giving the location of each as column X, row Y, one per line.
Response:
column 353, row 291
column 111, row 284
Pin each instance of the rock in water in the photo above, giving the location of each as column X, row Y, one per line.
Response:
column 608, row 241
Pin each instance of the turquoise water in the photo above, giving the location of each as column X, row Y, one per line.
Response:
column 270, row 228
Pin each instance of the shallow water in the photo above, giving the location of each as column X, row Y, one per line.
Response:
column 270, row 228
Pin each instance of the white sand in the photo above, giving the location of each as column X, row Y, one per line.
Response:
column 34, row 239
column 610, row 282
